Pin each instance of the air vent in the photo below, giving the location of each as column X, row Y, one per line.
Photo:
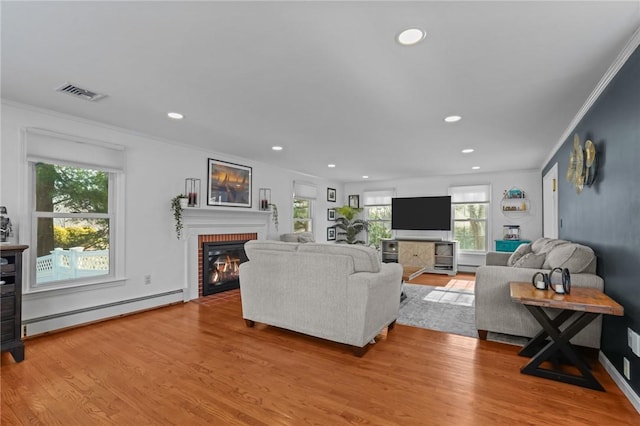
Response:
column 78, row 92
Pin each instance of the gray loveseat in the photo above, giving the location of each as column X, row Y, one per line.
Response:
column 332, row 291
column 496, row 312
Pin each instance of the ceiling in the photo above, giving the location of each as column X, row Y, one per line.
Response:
column 325, row 80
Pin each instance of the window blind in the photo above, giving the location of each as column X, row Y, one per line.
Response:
column 470, row 194
column 305, row 190
column 51, row 147
column 377, row 197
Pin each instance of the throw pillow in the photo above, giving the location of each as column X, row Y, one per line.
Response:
column 289, row 238
column 306, row 239
column 518, row 253
column 530, row 260
column 575, row 257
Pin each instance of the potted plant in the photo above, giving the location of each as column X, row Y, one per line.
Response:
column 178, row 203
column 349, row 227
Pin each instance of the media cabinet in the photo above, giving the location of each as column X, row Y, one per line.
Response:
column 434, row 257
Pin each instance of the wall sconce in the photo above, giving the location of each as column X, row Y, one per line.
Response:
column 583, row 164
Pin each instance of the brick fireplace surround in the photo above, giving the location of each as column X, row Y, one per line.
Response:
column 217, row 238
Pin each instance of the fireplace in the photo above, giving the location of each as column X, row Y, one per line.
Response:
column 221, row 265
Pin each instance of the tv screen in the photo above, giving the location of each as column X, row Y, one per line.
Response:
column 421, row 213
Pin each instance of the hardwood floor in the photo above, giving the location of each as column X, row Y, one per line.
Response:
column 197, row 363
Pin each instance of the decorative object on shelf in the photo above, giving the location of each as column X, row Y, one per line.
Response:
column 348, row 226
column 511, row 232
column 178, row 203
column 264, row 195
column 5, row 225
column 514, row 203
column 331, row 195
column 331, row 214
column 583, row 164
column 354, row 201
column 192, row 189
column 331, row 233
column 228, row 184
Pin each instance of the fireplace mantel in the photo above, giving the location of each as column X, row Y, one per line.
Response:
column 216, row 220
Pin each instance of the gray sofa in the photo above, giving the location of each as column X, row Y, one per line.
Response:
column 496, row 312
column 336, row 292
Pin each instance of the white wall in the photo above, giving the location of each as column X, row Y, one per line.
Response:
column 155, row 172
column 527, row 180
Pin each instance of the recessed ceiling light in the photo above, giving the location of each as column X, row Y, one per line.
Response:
column 175, row 115
column 365, row 177
column 411, row 36
column 331, row 166
column 452, row 118
column 276, row 148
column 475, row 168
column 467, row 150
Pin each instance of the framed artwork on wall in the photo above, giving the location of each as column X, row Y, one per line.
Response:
column 354, row 201
column 331, row 214
column 228, row 184
column 331, row 233
column 331, row 194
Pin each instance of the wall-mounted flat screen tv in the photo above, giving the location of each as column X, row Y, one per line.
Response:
column 421, row 213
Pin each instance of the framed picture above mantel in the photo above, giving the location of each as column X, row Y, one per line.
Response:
column 228, row 184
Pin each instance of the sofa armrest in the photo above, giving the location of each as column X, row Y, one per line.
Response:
column 373, row 300
column 497, row 258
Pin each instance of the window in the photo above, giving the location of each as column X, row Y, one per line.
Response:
column 377, row 211
column 304, row 195
column 73, row 214
column 302, row 217
column 470, row 207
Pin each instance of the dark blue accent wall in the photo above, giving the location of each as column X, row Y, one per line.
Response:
column 606, row 216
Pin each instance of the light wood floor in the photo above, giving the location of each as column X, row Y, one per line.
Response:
column 193, row 364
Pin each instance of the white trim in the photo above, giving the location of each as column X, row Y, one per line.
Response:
column 633, row 398
column 628, row 49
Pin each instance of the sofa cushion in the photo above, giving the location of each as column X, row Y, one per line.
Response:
column 250, row 247
column 365, row 259
column 575, row 257
column 530, row 260
column 518, row 253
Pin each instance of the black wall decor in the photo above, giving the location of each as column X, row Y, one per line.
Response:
column 606, row 216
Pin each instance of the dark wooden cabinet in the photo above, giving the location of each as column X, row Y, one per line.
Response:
column 11, row 299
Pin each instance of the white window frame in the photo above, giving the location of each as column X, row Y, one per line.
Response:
column 304, row 191
column 472, row 194
column 49, row 147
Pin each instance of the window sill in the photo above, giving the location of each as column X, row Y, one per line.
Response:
column 61, row 289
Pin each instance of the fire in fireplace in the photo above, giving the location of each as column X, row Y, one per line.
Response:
column 221, row 266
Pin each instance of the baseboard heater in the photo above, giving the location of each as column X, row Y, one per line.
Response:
column 46, row 323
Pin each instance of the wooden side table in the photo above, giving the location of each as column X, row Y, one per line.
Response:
column 590, row 302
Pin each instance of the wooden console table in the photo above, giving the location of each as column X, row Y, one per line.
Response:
column 590, row 302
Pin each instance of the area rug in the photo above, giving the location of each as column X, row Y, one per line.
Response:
column 449, row 309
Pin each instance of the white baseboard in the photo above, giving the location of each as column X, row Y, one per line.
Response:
column 467, row 268
column 35, row 326
column 633, row 398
